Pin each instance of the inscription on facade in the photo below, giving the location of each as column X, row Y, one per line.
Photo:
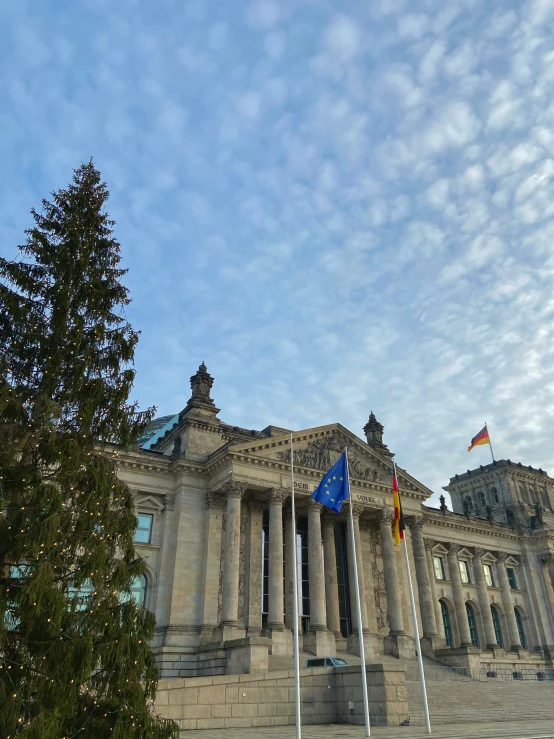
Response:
column 364, row 498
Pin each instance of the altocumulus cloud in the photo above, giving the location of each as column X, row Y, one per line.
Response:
column 337, row 211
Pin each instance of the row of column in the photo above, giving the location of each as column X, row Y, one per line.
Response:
column 324, row 599
column 322, row 572
column 483, row 598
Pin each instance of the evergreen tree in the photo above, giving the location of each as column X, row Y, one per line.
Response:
column 74, row 654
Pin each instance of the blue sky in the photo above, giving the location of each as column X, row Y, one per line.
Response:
column 337, row 211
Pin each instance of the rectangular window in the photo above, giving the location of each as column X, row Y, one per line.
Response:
column 464, row 571
column 439, row 568
column 512, row 577
column 489, row 579
column 143, row 534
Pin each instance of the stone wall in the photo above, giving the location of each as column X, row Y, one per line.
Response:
column 268, row 699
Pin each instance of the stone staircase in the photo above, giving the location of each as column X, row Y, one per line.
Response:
column 456, row 698
column 466, row 700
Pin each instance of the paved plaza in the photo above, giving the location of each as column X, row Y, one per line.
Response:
column 496, row 730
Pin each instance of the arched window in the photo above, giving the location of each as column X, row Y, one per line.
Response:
column 497, row 627
column 472, row 625
column 469, row 501
column 482, row 499
column 446, row 623
column 139, row 586
column 138, row 589
column 521, row 631
column 495, row 495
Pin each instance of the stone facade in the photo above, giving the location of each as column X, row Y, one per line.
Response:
column 218, row 553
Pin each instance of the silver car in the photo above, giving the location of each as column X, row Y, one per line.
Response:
column 326, row 662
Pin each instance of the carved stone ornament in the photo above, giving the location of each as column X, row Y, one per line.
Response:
column 215, row 500
column 357, row 511
column 415, row 522
column 429, row 543
column 478, row 552
column 327, row 520
column 234, row 489
column 502, row 556
column 277, row 496
column 201, row 385
column 454, row 548
column 547, row 558
column 314, row 506
column 318, row 455
column 169, row 501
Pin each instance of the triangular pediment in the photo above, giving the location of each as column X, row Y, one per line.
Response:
column 319, row 448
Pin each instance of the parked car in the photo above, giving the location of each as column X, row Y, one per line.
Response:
column 326, row 662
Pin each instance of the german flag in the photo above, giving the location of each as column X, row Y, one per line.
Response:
column 481, row 438
column 398, row 515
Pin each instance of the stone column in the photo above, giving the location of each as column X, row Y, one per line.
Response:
column 551, row 568
column 318, row 618
column 212, row 552
column 356, row 511
column 547, row 561
column 507, row 602
column 426, row 605
column 319, row 641
column 230, row 606
column 331, row 580
column 275, row 606
column 429, row 544
column 289, row 568
column 394, row 602
column 255, row 573
column 484, row 602
column 459, row 600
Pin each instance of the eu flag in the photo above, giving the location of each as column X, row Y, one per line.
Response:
column 333, row 489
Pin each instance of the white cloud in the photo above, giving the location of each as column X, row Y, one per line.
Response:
column 338, row 212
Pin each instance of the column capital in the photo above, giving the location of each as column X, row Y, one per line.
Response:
column 478, row 553
column 328, row 520
column 215, row 500
column 234, row 489
column 502, row 556
column 415, row 522
column 387, row 516
column 314, row 506
column 357, row 511
column 454, row 548
column 277, row 496
column 429, row 543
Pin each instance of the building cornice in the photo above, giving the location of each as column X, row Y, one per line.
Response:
column 461, row 523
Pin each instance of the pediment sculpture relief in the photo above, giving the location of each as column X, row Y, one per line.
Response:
column 323, row 453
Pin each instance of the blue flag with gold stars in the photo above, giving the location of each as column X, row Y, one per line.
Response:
column 333, row 489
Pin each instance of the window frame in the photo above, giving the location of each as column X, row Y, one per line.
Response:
column 490, row 581
column 139, row 528
column 437, row 559
column 472, row 623
column 512, row 580
column 463, row 566
column 497, row 627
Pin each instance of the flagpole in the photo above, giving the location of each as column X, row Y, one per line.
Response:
column 416, row 631
column 358, row 608
column 490, row 444
column 295, row 599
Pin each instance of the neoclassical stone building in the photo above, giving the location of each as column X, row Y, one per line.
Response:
column 213, row 502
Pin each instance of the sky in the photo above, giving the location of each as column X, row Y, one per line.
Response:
column 339, row 207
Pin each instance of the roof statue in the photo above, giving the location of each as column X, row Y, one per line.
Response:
column 201, row 385
column 373, row 431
